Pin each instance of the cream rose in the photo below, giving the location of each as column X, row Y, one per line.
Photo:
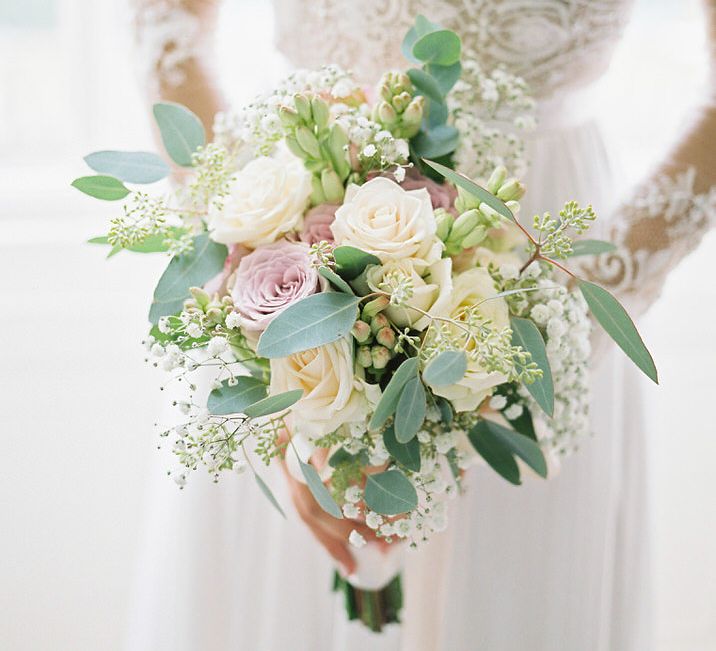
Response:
column 431, row 291
column 332, row 394
column 394, row 224
column 267, row 199
column 469, row 289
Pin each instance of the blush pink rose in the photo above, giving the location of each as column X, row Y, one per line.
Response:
column 317, row 224
column 270, row 279
column 442, row 195
column 217, row 285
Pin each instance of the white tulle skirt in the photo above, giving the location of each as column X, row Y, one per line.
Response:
column 548, row 566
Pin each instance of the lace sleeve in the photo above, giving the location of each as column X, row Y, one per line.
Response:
column 669, row 213
column 173, row 47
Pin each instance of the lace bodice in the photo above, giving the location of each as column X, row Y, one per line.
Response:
column 553, row 44
column 556, row 45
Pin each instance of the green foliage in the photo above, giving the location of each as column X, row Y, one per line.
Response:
column 619, row 326
column 273, row 404
column 390, row 493
column 184, row 271
column 498, row 446
column 129, row 166
column 591, row 247
column 351, row 262
column 554, row 240
column 319, row 491
column 335, row 280
column 410, row 411
column 406, row 454
column 101, row 186
column 446, row 368
column 526, row 335
column 426, row 84
column 233, row 399
column 313, row 321
column 182, row 132
column 389, row 400
column 269, row 494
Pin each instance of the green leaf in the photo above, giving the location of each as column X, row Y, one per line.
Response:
column 498, row 445
column 473, row 188
column 591, row 247
column 422, row 26
column 619, row 326
column 182, row 132
column 319, row 490
column 441, row 47
column 313, row 321
column 523, row 423
column 389, row 400
column 438, row 141
column 446, row 368
column 410, row 412
column 426, row 84
column 101, row 187
column 192, row 269
column 341, row 456
column 445, row 76
column 526, row 334
column 273, row 404
column 390, row 493
column 406, row 454
column 228, row 399
column 351, row 262
column 100, row 239
column 269, row 494
column 335, row 280
column 129, row 166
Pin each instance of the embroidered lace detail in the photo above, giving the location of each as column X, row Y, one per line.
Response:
column 553, row 44
column 662, row 224
column 167, row 35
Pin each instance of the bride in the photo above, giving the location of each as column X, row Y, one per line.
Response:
column 557, row 565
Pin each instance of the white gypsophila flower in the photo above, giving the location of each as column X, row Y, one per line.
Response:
column 423, row 436
column 445, row 442
column 157, row 350
column 514, row 411
column 233, row 320
column 498, row 402
column 217, row 346
column 194, row 330
column 353, row 494
column 399, row 174
column 540, row 314
column 356, row 539
column 163, row 325
column 373, row 519
column 509, row 271
column 350, row 511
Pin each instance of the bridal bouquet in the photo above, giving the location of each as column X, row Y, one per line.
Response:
column 370, row 315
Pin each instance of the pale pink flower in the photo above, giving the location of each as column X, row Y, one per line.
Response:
column 317, row 224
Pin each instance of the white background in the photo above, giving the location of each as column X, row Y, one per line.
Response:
column 77, row 402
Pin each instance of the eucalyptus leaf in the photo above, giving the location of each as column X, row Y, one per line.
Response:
column 526, row 334
column 473, row 188
column 152, row 244
column 523, row 423
column 319, row 491
column 389, row 400
column 446, row 368
column 406, row 454
column 335, row 280
column 437, row 114
column 313, row 321
column 182, row 132
column 619, row 326
column 406, row 46
column 410, row 412
column 390, row 493
column 102, row 187
column 269, row 494
column 129, row 166
column 192, row 269
column 233, row 399
column 441, row 47
column 351, row 262
column 273, row 404
column 591, row 247
column 438, row 141
column 426, row 85
column 445, row 76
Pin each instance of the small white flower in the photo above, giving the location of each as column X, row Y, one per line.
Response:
column 445, row 442
column 356, row 539
column 163, row 325
column 555, row 307
column 399, row 174
column 498, row 402
column 540, row 314
column 194, row 330
column 350, row 511
column 373, row 520
column 369, row 151
column 157, row 350
column 556, row 328
column 402, row 527
column 514, row 411
column 352, row 494
column 233, row 320
column 423, row 436
column 184, row 407
column 509, row 271
column 217, row 345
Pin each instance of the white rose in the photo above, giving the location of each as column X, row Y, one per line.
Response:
column 471, row 288
column 391, row 223
column 431, row 291
column 332, row 394
column 266, row 200
column 483, row 257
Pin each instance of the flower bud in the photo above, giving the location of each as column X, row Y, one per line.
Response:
column 303, row 106
column 379, row 321
column 317, row 195
column 386, row 337
column 363, row 357
column 413, row 114
column 465, row 201
column 386, row 114
column 361, row 331
column 308, row 142
column 289, row 117
column 464, row 225
column 497, row 178
column 201, row 297
column 215, row 314
column 332, row 187
column 514, row 206
column 400, row 102
column 373, row 307
column 320, row 112
column 294, row 147
column 380, row 356
column 510, row 190
column 473, row 238
column 444, row 222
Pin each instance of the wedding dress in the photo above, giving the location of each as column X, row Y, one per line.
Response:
column 550, row 566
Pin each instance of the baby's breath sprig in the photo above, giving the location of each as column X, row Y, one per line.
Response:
column 213, row 167
column 144, row 216
column 322, row 254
